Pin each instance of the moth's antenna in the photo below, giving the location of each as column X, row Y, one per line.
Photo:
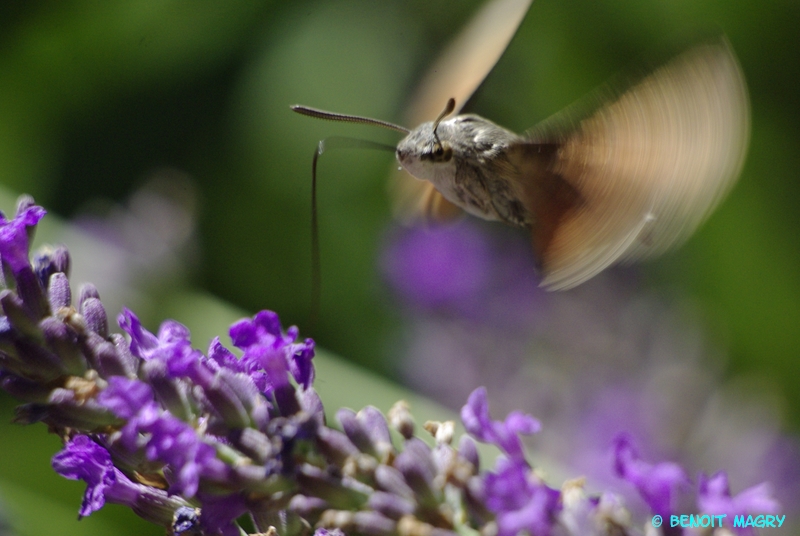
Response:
column 334, row 142
column 331, row 116
column 448, row 109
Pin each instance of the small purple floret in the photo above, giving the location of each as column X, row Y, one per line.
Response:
column 14, row 236
column 83, row 459
column 505, row 435
column 521, row 502
column 657, row 484
column 714, row 498
column 267, row 348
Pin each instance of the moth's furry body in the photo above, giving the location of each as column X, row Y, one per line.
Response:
column 481, row 176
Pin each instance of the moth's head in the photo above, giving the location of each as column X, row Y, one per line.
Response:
column 427, row 149
column 430, row 148
column 423, row 150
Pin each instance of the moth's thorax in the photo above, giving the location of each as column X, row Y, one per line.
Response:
column 478, row 177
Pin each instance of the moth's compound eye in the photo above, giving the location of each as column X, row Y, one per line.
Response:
column 442, row 152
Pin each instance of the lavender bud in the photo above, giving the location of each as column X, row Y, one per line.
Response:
column 104, row 357
column 155, row 505
column 368, row 523
column 374, row 424
column 222, row 398
column 311, row 403
column 88, row 290
column 24, row 389
column 30, row 289
column 373, row 524
column 307, row 507
column 19, row 316
column 391, row 480
column 168, row 390
column 335, row 446
column 413, row 526
column 58, row 292
column 355, row 430
column 94, row 313
column 11, row 363
column 123, row 352
column 64, row 342
column 68, row 407
column 469, row 451
column 30, row 413
column 390, row 505
column 418, row 469
column 41, row 363
column 48, row 261
column 242, row 386
column 251, row 477
column 253, row 443
column 338, row 492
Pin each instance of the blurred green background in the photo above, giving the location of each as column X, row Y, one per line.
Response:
column 96, row 96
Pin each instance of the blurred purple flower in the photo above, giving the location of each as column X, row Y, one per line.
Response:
column 438, row 266
column 590, row 363
column 714, row 498
column 659, row 484
column 460, row 269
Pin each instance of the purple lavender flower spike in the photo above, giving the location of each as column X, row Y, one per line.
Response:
column 714, row 498
column 505, row 435
column 657, row 484
column 248, row 436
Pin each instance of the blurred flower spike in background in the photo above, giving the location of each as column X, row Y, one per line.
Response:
column 601, row 360
column 192, row 441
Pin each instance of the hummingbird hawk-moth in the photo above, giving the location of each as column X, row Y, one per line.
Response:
column 626, row 175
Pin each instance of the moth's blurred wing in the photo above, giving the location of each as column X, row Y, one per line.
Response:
column 649, row 165
column 457, row 73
